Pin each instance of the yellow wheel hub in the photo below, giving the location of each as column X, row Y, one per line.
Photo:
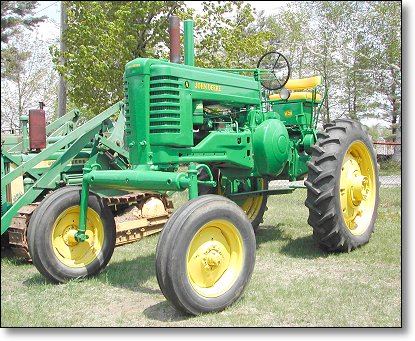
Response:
column 69, row 235
column 67, row 249
column 357, row 188
column 215, row 258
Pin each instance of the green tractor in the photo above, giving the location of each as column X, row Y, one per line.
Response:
column 221, row 134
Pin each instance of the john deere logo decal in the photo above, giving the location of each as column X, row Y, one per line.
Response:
column 288, row 113
column 207, row 86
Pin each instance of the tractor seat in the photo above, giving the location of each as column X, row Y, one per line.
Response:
column 303, row 83
column 297, row 85
column 307, row 95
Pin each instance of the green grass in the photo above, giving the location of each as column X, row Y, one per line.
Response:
column 294, row 283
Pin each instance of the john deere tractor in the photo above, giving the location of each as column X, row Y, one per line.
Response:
column 221, row 134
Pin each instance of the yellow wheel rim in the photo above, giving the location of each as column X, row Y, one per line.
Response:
column 215, row 258
column 252, row 205
column 70, row 252
column 357, row 188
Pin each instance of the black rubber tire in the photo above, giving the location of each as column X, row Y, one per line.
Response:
column 41, row 227
column 163, row 244
column 323, row 186
column 203, row 190
column 172, row 249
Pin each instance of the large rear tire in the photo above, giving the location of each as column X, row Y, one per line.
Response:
column 51, row 242
column 342, row 187
column 205, row 255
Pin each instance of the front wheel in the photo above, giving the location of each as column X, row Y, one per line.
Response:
column 54, row 250
column 205, row 255
column 342, row 187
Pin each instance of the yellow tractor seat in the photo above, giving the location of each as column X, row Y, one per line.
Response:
column 303, row 83
column 297, row 86
column 308, row 95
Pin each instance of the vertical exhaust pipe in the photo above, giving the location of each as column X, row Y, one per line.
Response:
column 174, row 33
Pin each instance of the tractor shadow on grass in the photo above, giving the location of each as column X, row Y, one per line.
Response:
column 165, row 312
column 7, row 253
column 133, row 275
column 37, row 279
column 303, row 247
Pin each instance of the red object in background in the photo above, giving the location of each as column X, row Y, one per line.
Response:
column 37, row 129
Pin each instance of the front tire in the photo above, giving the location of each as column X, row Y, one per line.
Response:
column 342, row 187
column 54, row 251
column 205, row 255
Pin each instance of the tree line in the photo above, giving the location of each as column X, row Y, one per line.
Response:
column 354, row 45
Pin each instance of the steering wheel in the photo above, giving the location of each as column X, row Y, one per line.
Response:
column 274, row 70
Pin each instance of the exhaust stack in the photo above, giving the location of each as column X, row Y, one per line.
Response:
column 174, row 33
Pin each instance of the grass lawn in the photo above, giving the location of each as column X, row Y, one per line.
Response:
column 294, row 283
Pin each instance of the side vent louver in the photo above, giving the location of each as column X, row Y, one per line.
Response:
column 164, row 105
column 126, row 111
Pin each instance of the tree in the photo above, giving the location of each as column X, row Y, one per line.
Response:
column 27, row 75
column 339, row 24
column 17, row 14
column 28, row 79
column 354, row 45
column 103, row 36
column 385, row 23
column 229, row 41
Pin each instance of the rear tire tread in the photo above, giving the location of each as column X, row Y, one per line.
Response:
column 324, row 214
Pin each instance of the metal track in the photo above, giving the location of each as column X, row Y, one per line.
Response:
column 18, row 231
column 140, row 224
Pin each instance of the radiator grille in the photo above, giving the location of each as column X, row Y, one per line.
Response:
column 164, row 105
column 126, row 111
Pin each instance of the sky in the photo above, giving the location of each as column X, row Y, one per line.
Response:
column 49, row 29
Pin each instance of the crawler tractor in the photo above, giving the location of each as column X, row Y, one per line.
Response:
column 222, row 135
